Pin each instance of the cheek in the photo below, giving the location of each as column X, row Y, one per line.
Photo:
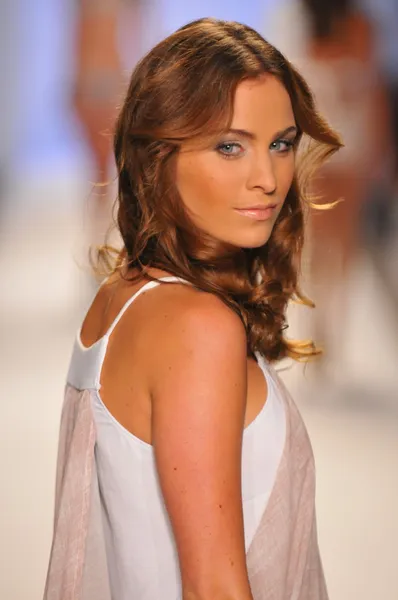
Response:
column 204, row 182
column 189, row 180
column 286, row 170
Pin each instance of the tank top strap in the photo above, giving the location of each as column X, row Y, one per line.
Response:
column 144, row 288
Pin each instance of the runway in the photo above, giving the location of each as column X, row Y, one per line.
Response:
column 353, row 424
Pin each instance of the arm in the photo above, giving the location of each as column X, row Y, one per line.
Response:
column 198, row 409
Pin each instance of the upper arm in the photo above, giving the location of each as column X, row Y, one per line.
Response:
column 198, row 409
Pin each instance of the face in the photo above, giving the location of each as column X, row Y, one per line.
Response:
column 235, row 186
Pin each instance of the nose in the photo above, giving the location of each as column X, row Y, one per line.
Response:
column 262, row 175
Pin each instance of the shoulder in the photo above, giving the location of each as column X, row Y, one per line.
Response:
column 192, row 326
column 192, row 310
column 188, row 313
column 182, row 307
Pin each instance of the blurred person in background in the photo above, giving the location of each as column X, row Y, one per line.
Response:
column 333, row 45
column 9, row 63
column 184, row 467
column 382, row 216
column 98, row 87
column 342, row 67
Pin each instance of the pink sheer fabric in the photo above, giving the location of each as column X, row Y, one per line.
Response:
column 77, row 568
column 283, row 560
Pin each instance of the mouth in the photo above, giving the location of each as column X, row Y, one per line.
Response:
column 258, row 212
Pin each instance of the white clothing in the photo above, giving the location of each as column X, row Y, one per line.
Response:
column 140, row 548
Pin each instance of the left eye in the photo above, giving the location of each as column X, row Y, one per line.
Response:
column 230, row 148
column 282, row 145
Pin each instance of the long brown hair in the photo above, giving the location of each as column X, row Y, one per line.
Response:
column 184, row 88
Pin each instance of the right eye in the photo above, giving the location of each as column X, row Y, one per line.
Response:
column 230, row 149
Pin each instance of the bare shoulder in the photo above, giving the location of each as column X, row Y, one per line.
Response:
column 191, row 321
column 189, row 307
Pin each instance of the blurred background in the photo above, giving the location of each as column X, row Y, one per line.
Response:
column 63, row 68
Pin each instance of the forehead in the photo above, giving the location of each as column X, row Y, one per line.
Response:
column 262, row 102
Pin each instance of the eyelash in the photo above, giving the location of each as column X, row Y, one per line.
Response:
column 224, row 145
column 289, row 145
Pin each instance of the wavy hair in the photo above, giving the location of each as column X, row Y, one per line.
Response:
column 182, row 89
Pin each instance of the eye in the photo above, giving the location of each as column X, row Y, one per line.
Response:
column 230, row 149
column 282, row 146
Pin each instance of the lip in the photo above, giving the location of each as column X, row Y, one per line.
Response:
column 259, row 212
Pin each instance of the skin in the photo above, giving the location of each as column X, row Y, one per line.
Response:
column 188, row 393
column 238, row 171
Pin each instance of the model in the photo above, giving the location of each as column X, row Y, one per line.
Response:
column 184, row 468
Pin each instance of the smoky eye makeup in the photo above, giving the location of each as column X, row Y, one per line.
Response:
column 230, row 148
column 284, row 144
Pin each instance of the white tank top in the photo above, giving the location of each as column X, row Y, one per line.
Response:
column 141, row 552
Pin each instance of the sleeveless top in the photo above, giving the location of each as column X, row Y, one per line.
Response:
column 112, row 537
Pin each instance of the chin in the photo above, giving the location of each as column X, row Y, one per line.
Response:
column 253, row 241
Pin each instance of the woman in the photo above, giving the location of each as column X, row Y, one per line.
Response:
column 184, row 468
column 98, row 85
column 340, row 65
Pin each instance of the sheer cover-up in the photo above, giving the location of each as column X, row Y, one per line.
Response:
column 283, row 559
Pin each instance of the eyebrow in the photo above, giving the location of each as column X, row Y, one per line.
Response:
column 251, row 136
